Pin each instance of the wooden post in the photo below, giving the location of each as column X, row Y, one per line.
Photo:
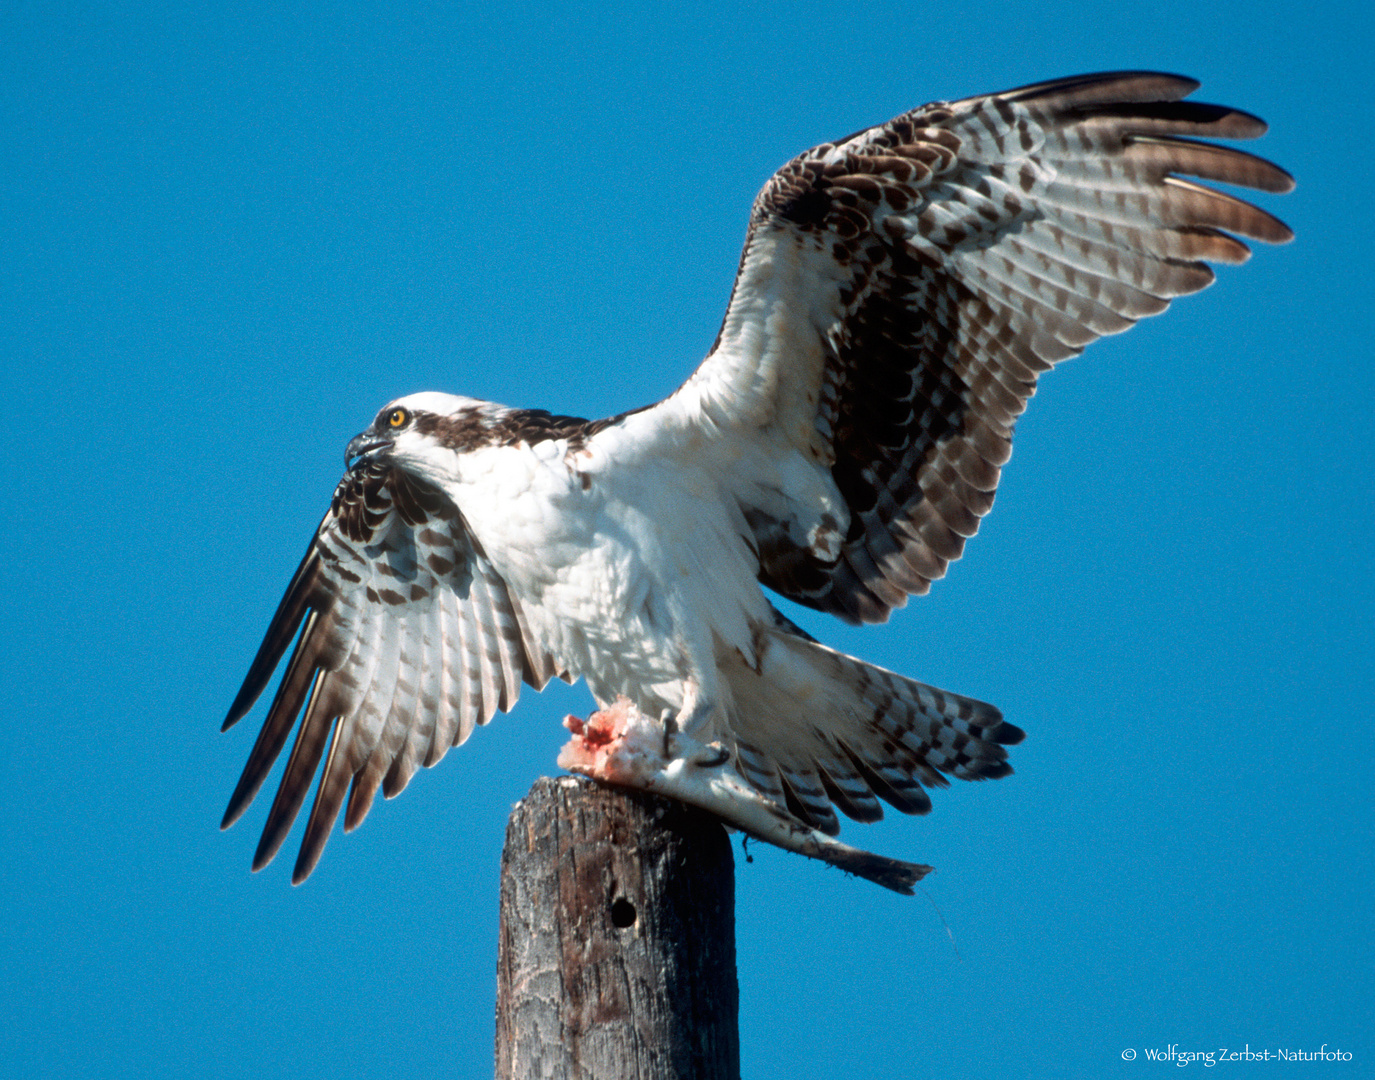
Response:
column 617, row 951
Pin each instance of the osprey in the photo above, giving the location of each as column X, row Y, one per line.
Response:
column 899, row 294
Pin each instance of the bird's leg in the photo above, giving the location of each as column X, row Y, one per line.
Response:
column 684, row 732
column 620, row 745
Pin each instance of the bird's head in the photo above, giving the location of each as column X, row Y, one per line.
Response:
column 413, row 432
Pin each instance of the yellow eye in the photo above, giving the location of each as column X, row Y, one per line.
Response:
column 397, row 418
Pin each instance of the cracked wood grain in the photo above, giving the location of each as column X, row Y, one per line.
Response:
column 617, row 940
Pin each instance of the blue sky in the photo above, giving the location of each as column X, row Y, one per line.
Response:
column 227, row 238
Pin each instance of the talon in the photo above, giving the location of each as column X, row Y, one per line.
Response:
column 720, row 754
column 670, row 729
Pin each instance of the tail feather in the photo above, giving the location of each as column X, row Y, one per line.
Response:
column 895, row 784
column 816, row 729
column 800, row 790
column 848, row 792
column 806, row 800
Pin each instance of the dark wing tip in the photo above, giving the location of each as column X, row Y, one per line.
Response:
column 314, row 732
column 1105, row 87
column 264, row 853
column 1228, row 122
column 1006, row 734
column 305, row 862
column 297, row 686
column 237, row 805
column 280, row 632
column 329, row 797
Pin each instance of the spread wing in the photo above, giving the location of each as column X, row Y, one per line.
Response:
column 405, row 638
column 901, row 291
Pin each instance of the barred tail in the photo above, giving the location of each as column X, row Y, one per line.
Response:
column 816, row 729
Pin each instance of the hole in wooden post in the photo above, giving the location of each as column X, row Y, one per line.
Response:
column 622, row 913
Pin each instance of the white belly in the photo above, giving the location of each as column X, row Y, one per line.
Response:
column 633, row 577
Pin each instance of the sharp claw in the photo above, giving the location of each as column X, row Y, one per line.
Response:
column 720, row 754
column 670, row 730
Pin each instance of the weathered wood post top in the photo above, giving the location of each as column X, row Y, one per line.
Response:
column 617, row 941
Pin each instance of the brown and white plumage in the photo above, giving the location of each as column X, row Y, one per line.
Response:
column 899, row 294
column 927, row 271
column 410, row 639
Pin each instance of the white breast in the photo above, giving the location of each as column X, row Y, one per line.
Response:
column 633, row 573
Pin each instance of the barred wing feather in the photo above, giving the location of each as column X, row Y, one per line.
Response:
column 900, row 292
column 405, row 638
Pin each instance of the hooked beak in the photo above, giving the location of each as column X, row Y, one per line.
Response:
column 365, row 447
